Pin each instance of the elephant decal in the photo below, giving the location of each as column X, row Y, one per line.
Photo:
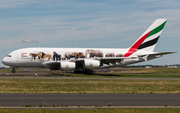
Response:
column 75, row 55
column 119, row 55
column 93, row 53
column 110, row 55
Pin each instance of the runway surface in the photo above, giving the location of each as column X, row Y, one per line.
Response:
column 90, row 99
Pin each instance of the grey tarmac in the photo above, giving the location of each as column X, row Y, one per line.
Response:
column 90, row 99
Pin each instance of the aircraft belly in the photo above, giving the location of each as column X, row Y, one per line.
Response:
column 26, row 64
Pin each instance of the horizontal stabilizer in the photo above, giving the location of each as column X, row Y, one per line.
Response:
column 156, row 54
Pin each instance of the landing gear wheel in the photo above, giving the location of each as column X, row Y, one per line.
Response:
column 93, row 72
column 75, row 71
column 90, row 71
column 84, row 71
column 13, row 71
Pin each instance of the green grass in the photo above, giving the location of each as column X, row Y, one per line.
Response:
column 90, row 111
column 110, row 86
column 164, row 70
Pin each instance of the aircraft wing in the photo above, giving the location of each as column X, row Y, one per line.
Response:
column 105, row 60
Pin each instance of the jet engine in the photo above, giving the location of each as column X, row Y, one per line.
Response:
column 65, row 66
column 91, row 64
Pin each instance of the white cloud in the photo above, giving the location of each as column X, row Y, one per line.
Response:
column 30, row 41
column 177, row 25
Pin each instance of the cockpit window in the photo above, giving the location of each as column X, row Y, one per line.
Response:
column 8, row 55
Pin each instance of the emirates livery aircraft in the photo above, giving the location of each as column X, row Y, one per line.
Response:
column 87, row 59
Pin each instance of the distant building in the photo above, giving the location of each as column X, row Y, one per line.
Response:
column 148, row 66
column 172, row 66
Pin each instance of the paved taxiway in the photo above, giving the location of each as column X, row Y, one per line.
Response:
column 90, row 99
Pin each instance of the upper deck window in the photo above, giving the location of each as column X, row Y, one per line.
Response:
column 8, row 55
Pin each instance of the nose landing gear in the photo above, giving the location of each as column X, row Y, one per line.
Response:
column 13, row 70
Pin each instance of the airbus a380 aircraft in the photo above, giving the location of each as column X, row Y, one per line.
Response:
column 86, row 59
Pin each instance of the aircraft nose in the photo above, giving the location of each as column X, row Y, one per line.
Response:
column 5, row 61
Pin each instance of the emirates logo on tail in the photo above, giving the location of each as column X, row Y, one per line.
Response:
column 149, row 38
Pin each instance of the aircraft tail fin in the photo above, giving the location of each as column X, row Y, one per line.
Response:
column 147, row 41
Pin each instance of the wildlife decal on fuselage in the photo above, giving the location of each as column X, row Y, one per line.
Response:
column 55, row 56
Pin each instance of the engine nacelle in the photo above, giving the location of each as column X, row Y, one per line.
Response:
column 91, row 64
column 65, row 66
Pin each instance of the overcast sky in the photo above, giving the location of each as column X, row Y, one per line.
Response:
column 88, row 23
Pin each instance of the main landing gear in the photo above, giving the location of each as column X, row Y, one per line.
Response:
column 13, row 70
column 85, row 71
